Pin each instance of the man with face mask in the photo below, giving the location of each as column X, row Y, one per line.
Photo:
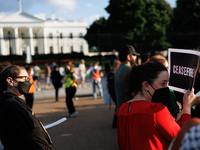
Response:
column 128, row 57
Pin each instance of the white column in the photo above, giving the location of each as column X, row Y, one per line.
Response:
column 31, row 40
column 85, row 47
column 16, row 41
column 1, row 42
column 45, row 48
column 55, row 43
column 58, row 42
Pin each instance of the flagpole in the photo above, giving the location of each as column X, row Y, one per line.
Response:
column 20, row 5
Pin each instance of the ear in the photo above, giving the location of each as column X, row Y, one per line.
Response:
column 128, row 57
column 145, row 85
column 9, row 81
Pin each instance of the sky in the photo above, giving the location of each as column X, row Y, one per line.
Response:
column 88, row 10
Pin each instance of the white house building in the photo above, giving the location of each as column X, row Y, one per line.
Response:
column 43, row 36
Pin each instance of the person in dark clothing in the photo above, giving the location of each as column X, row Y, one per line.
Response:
column 107, row 68
column 56, row 80
column 111, row 88
column 19, row 128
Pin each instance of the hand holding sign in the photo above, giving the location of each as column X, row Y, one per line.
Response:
column 188, row 100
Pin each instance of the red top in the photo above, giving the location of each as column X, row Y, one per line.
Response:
column 147, row 126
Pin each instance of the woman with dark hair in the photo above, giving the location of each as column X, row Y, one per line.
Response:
column 144, row 122
column 19, row 128
column 174, row 106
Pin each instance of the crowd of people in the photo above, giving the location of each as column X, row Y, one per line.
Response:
column 148, row 115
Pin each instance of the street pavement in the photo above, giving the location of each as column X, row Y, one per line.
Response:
column 90, row 129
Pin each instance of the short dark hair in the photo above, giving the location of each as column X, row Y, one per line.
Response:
column 3, row 66
column 11, row 71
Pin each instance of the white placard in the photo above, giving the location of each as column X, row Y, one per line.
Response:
column 55, row 123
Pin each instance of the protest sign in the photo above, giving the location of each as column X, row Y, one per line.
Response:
column 182, row 69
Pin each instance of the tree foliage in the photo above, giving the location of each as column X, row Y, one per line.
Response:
column 141, row 23
column 94, row 31
column 185, row 24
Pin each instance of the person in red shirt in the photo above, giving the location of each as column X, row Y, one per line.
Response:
column 144, row 122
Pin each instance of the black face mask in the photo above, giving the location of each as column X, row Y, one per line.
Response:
column 161, row 95
column 24, row 87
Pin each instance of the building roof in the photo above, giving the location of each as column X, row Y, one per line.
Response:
column 20, row 17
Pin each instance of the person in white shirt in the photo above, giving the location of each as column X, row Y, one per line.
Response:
column 82, row 70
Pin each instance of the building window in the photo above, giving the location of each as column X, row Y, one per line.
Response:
column 35, row 36
column 81, row 48
column 50, row 35
column 61, row 49
column 71, row 48
column 36, row 50
column 51, row 49
column 81, row 35
column 22, row 35
column 61, row 36
column 71, row 35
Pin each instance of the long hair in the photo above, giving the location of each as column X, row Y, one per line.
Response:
column 12, row 71
column 138, row 74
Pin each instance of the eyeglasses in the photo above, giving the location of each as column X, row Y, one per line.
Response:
column 26, row 78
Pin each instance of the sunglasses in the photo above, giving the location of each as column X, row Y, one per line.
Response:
column 26, row 78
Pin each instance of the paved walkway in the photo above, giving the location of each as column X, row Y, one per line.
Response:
column 90, row 129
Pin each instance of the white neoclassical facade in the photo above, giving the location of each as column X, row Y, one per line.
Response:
column 42, row 36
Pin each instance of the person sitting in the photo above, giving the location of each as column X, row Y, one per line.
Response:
column 144, row 122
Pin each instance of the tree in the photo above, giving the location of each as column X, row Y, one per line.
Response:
column 141, row 23
column 185, row 24
column 158, row 16
column 93, row 32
